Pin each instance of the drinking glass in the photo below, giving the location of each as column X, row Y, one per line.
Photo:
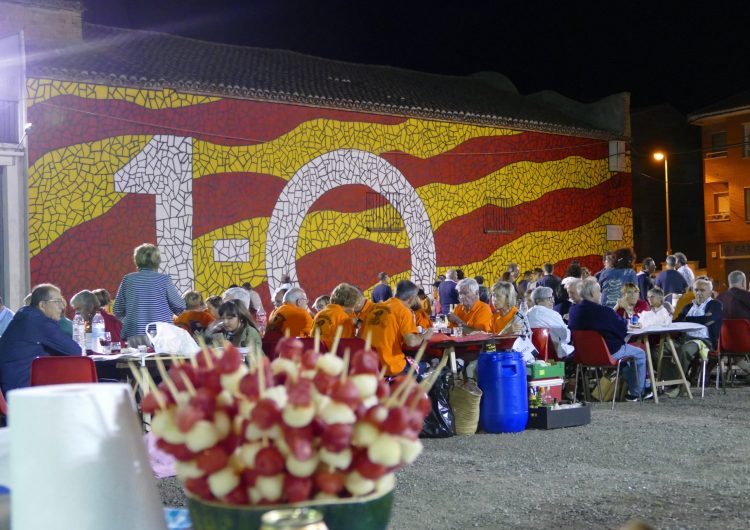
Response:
column 106, row 342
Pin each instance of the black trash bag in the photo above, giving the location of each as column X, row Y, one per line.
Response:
column 440, row 422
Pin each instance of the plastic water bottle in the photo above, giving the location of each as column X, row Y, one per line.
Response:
column 523, row 308
column 261, row 319
column 97, row 331
column 79, row 332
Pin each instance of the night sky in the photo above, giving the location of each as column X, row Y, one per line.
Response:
column 660, row 51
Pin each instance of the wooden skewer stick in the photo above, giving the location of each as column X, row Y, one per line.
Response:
column 405, row 387
column 337, row 338
column 287, row 333
column 165, row 377
column 206, row 353
column 383, row 370
column 261, row 376
column 347, row 358
column 137, row 377
column 426, row 385
column 316, row 340
column 368, row 340
column 157, row 393
column 188, row 383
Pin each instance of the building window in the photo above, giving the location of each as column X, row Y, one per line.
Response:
column 718, row 145
column 721, row 202
column 746, row 140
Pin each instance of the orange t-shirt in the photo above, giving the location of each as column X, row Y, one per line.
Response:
column 388, row 323
column 193, row 320
column 329, row 319
column 422, row 318
column 290, row 317
column 426, row 305
column 499, row 321
column 478, row 317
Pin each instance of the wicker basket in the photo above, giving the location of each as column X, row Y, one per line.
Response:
column 465, row 396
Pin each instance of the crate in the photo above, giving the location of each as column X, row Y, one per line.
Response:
column 566, row 416
column 554, row 370
column 553, row 387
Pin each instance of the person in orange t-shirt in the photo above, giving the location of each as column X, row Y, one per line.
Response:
column 471, row 313
column 390, row 326
column 421, row 317
column 504, row 298
column 361, row 310
column 196, row 318
column 292, row 316
column 339, row 312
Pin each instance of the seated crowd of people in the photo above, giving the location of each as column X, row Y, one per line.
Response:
column 609, row 302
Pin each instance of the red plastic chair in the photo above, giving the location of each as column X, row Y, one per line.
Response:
column 540, row 340
column 61, row 370
column 734, row 341
column 591, row 351
column 3, row 404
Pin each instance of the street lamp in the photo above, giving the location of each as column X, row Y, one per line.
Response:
column 659, row 156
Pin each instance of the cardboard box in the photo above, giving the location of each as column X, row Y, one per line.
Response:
column 566, row 416
column 535, row 371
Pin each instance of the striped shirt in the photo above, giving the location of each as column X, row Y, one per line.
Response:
column 143, row 297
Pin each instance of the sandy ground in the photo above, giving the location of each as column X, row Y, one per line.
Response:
column 679, row 464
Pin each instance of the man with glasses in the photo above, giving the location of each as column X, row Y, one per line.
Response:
column 292, row 316
column 33, row 332
column 541, row 315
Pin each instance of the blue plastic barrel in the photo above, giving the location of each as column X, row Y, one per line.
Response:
column 505, row 402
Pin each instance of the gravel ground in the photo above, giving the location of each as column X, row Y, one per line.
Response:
column 682, row 464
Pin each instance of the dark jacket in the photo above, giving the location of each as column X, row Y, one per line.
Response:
column 381, row 293
column 736, row 303
column 448, row 295
column 554, row 283
column 712, row 320
column 590, row 316
column 30, row 334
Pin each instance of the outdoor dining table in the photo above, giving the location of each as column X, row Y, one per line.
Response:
column 665, row 336
column 450, row 343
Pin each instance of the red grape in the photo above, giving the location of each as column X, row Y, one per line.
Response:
column 365, row 362
column 299, row 393
column 397, row 421
column 269, row 462
column 289, row 348
column 346, row 392
column 230, row 361
column 266, row 414
column 187, row 416
column 337, row 437
column 199, row 487
column 238, row 496
column 299, row 441
column 297, row 489
column 310, row 359
column 212, row 459
column 330, row 482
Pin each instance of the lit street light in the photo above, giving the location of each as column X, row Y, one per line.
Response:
column 659, row 156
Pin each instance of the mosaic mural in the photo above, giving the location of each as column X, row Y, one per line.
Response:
column 234, row 191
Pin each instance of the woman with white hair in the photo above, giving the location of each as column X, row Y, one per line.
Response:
column 146, row 296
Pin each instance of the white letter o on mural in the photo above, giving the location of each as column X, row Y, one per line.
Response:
column 329, row 171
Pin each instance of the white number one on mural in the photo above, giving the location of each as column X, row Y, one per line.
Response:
column 164, row 168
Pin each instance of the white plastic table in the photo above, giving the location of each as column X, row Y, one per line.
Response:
column 665, row 335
